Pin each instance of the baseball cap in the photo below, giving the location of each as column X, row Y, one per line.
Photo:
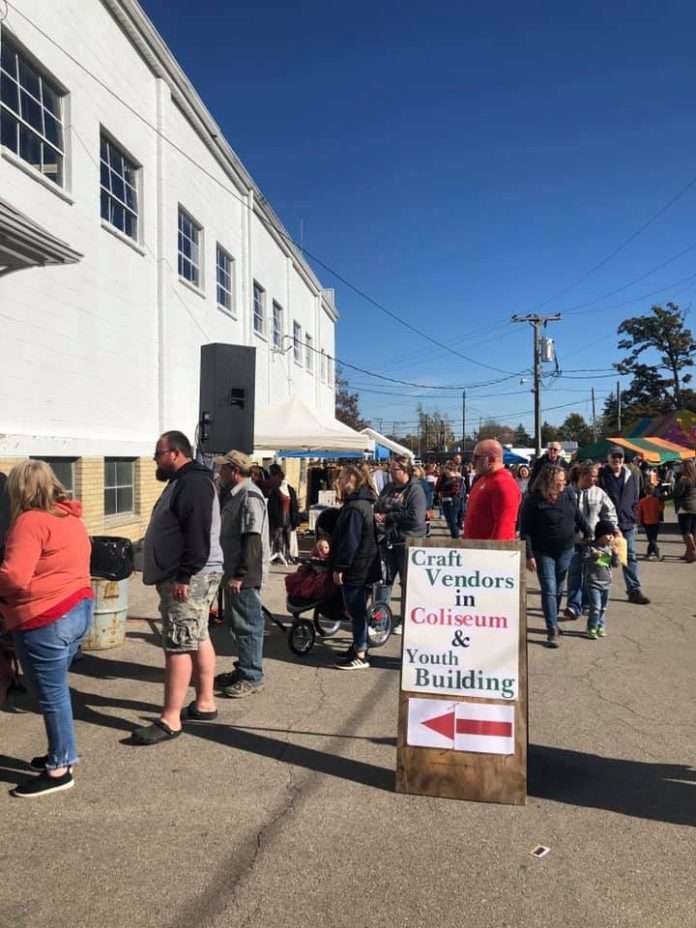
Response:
column 236, row 459
column 616, row 450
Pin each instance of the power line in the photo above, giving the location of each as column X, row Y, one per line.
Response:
column 663, row 209
column 282, row 232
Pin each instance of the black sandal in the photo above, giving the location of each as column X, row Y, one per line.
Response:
column 154, row 734
column 196, row 715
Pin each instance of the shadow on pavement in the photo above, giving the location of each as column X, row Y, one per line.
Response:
column 311, row 759
column 659, row 792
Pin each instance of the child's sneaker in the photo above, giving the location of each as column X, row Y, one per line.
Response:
column 593, row 632
column 601, row 632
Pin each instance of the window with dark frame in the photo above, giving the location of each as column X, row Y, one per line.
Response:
column 259, row 309
column 119, row 188
column 64, row 469
column 277, row 326
column 225, row 279
column 31, row 112
column 189, row 249
column 297, row 342
column 119, row 486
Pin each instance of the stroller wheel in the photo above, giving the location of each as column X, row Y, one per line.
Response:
column 301, row 637
column 325, row 627
column 379, row 624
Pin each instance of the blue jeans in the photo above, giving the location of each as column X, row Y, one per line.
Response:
column 576, row 588
column 245, row 619
column 355, row 601
column 630, row 572
column 45, row 655
column 451, row 509
column 598, row 606
column 551, row 571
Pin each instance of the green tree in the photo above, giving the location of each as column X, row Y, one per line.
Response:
column 522, row 437
column 658, row 381
column 348, row 405
column 549, row 433
column 491, row 428
column 574, row 428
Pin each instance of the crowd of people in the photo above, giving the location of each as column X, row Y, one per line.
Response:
column 218, row 532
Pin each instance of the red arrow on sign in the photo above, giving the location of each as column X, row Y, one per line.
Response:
column 445, row 725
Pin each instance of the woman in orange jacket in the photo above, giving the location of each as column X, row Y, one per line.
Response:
column 45, row 601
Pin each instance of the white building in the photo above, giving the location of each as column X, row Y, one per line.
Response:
column 106, row 146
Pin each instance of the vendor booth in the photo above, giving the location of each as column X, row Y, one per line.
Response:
column 385, row 447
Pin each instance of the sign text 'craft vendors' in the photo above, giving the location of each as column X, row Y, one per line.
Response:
column 461, row 629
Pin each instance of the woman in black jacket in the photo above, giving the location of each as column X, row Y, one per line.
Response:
column 283, row 516
column 685, row 508
column 354, row 559
column 549, row 521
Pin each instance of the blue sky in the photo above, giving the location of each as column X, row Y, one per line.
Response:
column 461, row 162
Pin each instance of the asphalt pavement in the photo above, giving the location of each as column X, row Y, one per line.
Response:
column 283, row 811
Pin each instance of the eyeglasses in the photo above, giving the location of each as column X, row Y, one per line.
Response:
column 160, row 451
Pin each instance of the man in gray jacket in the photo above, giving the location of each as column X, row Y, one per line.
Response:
column 246, row 553
column 183, row 559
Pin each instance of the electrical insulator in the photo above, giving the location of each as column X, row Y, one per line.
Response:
column 548, row 350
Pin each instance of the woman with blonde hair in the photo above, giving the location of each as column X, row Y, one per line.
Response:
column 45, row 598
column 355, row 559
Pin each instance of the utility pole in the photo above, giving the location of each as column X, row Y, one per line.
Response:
column 594, row 417
column 536, row 321
column 618, row 405
column 463, row 419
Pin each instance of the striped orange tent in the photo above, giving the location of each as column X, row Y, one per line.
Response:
column 654, row 450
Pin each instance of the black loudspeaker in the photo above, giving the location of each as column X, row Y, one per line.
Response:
column 226, row 418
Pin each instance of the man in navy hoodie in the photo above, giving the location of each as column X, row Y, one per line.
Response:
column 620, row 485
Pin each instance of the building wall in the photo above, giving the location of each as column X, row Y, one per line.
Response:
column 104, row 355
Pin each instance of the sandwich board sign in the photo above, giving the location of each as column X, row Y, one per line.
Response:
column 463, row 693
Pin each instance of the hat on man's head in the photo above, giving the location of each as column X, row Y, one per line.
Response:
column 604, row 527
column 236, row 459
column 616, row 450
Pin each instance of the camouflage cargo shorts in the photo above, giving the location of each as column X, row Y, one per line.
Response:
column 185, row 625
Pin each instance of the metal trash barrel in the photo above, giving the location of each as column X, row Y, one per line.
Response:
column 109, row 615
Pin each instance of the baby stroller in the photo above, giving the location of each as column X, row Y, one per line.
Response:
column 312, row 590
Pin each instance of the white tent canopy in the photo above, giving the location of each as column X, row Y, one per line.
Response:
column 394, row 446
column 293, row 426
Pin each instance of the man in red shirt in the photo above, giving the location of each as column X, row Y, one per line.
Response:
column 494, row 499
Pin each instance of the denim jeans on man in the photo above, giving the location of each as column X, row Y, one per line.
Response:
column 45, row 655
column 355, row 601
column 246, row 620
column 451, row 510
column 598, row 606
column 630, row 572
column 551, row 571
column 577, row 598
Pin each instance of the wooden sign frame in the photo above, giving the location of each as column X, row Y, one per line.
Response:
column 457, row 774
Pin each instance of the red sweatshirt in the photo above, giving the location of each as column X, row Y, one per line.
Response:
column 46, row 563
column 493, row 504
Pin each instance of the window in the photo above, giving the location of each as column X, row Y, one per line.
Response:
column 297, row 342
column 330, row 369
column 189, row 249
column 277, row 326
column 119, row 485
column 323, row 366
column 119, row 188
column 259, row 309
column 31, row 113
column 309, row 353
column 64, row 469
column 225, row 279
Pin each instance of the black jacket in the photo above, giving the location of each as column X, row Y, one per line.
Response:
column 404, row 508
column 184, row 531
column 541, row 463
column 354, row 541
column 275, row 509
column 550, row 528
column 624, row 497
